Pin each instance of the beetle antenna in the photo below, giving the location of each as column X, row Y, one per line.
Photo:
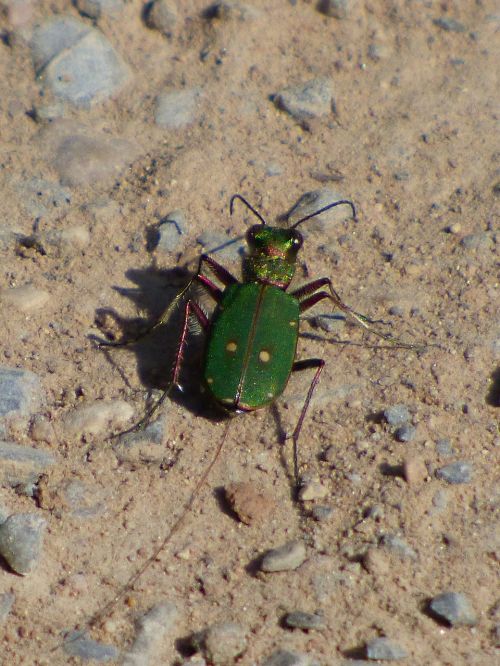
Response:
column 243, row 200
column 322, row 210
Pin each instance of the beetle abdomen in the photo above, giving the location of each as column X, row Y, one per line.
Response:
column 252, row 345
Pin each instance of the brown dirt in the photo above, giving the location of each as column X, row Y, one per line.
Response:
column 425, row 108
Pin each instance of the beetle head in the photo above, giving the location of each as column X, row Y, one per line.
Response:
column 272, row 254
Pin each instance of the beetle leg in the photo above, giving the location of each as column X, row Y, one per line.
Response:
column 360, row 319
column 306, row 364
column 219, row 271
column 191, row 308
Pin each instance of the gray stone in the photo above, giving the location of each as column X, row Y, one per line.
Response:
column 397, row 415
column 146, row 444
column 6, row 601
column 313, row 201
column 152, row 627
column 22, row 465
column 21, row 539
column 88, row 73
column 302, row 620
column 398, row 546
column 334, row 8
column 226, row 248
column 405, row 433
column 322, row 512
column 94, row 9
column 53, row 37
column 161, row 15
column 81, row 159
column 177, row 108
column 288, row 658
column 221, row 643
column 306, row 101
column 97, row 418
column 449, row 24
column 20, row 392
column 78, row 645
column 285, row 558
column 476, row 241
column 443, row 447
column 456, row 472
column 171, row 228
column 455, row 608
column 385, row 648
column 42, row 198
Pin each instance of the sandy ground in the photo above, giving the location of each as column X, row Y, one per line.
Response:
column 412, row 140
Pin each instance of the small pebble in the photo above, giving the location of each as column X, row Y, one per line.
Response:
column 171, row 229
column 456, row 472
column 226, row 248
column 334, row 8
column 152, row 627
column 97, row 418
column 82, row 66
column 302, row 620
column 176, row 109
column 322, row 512
column 455, row 608
column 285, row 558
column 376, row 561
column 6, row 601
column 414, row 471
column 80, row 159
column 161, row 15
column 397, row 415
column 385, row 648
column 78, row 645
column 312, row 490
column 221, row 643
column 147, row 444
column 306, row 101
column 94, row 9
column 405, row 433
column 315, row 200
column 449, row 24
column 25, row 298
column 20, row 392
column 444, row 448
column 330, row 323
column 21, row 540
column 249, row 504
column 230, row 10
column 398, row 546
column 22, row 465
column 288, row 658
column 476, row 241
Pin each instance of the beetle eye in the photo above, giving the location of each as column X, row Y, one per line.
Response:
column 252, row 234
column 297, row 241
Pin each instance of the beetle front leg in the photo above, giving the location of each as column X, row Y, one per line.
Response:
column 306, row 364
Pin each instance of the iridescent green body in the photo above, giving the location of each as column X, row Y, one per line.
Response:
column 252, row 345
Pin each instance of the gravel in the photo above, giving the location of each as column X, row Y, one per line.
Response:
column 306, row 101
column 221, row 643
column 285, row 558
column 302, row 620
column 456, row 472
column 78, row 645
column 385, row 648
column 397, row 415
column 455, row 608
column 152, row 629
column 21, row 540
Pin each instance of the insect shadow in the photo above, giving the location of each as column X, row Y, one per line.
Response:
column 156, row 349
